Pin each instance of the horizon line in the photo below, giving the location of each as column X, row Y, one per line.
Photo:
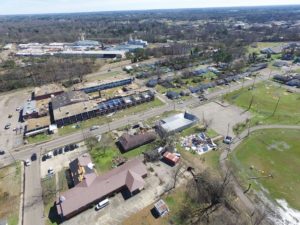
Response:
column 141, row 10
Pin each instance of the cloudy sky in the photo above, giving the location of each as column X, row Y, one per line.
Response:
column 57, row 6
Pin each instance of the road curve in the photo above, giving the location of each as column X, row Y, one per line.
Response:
column 236, row 141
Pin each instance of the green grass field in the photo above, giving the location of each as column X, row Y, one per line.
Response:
column 261, row 45
column 265, row 97
column 275, row 152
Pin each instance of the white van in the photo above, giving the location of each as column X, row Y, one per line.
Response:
column 102, row 204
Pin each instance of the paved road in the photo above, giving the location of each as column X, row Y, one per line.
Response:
column 237, row 140
column 33, row 201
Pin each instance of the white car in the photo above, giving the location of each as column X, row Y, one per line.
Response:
column 27, row 162
column 50, row 171
column 102, row 204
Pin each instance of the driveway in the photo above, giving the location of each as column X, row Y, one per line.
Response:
column 33, row 201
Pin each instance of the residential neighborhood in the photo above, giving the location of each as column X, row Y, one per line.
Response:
column 149, row 116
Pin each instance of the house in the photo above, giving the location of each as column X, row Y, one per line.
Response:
column 161, row 208
column 128, row 142
column 257, row 67
column 92, row 188
column 152, row 83
column 176, row 123
column 279, row 63
column 170, row 158
column 172, row 95
column 80, row 168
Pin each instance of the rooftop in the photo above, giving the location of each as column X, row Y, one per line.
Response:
column 36, row 123
column 129, row 142
column 127, row 175
column 68, row 98
column 175, row 122
column 29, row 108
column 74, row 109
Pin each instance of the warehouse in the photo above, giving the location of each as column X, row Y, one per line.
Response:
column 67, row 114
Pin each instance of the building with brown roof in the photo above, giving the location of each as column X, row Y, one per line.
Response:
column 128, row 142
column 93, row 188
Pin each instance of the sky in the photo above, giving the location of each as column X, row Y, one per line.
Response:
column 66, row 6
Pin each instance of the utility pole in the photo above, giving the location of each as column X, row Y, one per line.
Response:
column 276, row 106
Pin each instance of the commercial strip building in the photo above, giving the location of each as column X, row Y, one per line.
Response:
column 92, row 188
column 100, row 86
column 73, row 113
column 176, row 123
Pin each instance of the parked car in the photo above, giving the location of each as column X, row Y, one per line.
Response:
column 55, row 152
column 7, row 126
column 27, row 162
column 102, row 204
column 66, row 148
column 49, row 155
column 60, row 150
column 2, row 152
column 228, row 140
column 94, row 127
column 44, row 158
column 33, row 157
column 50, row 171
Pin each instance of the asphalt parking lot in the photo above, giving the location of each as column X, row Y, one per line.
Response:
column 8, row 104
column 160, row 178
column 221, row 115
column 61, row 161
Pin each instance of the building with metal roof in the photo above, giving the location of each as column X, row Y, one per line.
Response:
column 176, row 123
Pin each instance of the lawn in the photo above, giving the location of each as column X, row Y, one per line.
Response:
column 103, row 153
column 38, row 138
column 174, row 200
column 49, row 194
column 10, row 191
column 104, row 119
column 262, row 45
column 275, row 152
column 264, row 101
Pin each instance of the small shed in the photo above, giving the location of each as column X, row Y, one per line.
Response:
column 171, row 158
column 161, row 208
